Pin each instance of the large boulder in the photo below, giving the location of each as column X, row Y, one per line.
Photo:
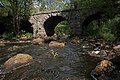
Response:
column 56, row 44
column 103, row 70
column 38, row 41
column 17, row 60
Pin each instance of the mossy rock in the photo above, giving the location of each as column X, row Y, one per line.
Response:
column 56, row 44
column 20, row 59
column 103, row 70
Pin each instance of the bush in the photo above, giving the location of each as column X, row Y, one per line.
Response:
column 25, row 34
column 62, row 29
column 92, row 29
column 108, row 30
column 7, row 35
column 107, row 35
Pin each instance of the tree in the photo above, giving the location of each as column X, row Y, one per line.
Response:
column 15, row 9
column 108, row 26
column 108, row 6
column 45, row 5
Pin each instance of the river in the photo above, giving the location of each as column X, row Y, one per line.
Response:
column 68, row 63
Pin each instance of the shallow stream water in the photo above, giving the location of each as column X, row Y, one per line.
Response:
column 68, row 63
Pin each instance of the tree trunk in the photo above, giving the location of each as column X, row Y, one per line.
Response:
column 15, row 19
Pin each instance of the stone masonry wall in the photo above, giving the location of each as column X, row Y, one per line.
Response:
column 75, row 19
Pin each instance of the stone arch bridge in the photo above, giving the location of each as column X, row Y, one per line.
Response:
column 44, row 23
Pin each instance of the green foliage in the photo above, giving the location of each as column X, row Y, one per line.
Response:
column 25, row 34
column 108, row 30
column 13, row 7
column 5, row 9
column 45, row 5
column 92, row 3
column 92, row 29
column 106, row 33
column 62, row 29
column 11, row 35
column 7, row 35
column 54, row 54
column 108, row 7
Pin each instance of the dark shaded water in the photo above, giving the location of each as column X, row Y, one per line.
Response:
column 69, row 63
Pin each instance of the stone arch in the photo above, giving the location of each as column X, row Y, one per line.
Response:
column 51, row 23
column 90, row 18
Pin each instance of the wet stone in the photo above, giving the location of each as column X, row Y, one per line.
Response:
column 56, row 44
column 17, row 59
column 101, row 53
column 38, row 41
column 103, row 70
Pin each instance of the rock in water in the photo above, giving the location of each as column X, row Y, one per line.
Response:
column 117, row 48
column 17, row 59
column 102, row 70
column 76, row 41
column 56, row 44
column 38, row 41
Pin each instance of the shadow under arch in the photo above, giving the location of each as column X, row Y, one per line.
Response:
column 51, row 23
column 90, row 18
column 26, row 25
column 2, row 28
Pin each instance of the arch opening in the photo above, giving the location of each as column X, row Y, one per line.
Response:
column 25, row 25
column 51, row 23
column 91, row 24
column 91, row 18
column 62, row 30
